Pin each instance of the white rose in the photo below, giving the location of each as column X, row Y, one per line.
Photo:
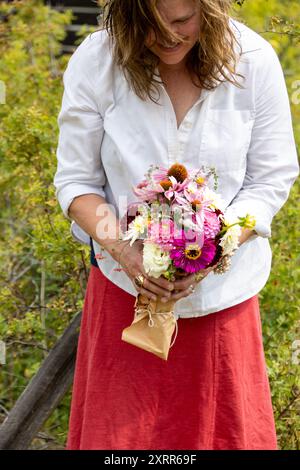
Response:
column 230, row 240
column 155, row 260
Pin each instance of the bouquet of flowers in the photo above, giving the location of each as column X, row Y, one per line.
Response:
column 184, row 229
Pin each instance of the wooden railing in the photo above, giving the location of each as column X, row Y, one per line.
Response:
column 54, row 378
column 43, row 394
column 85, row 12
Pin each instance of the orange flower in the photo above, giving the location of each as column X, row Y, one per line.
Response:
column 195, row 204
column 178, row 171
column 166, row 184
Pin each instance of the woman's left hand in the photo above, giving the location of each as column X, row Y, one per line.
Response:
column 183, row 287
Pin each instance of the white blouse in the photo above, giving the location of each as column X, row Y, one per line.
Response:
column 109, row 137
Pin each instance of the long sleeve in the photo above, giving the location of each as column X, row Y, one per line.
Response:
column 79, row 169
column 272, row 164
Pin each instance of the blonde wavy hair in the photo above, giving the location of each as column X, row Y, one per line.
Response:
column 212, row 60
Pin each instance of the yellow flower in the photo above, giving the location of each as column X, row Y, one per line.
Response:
column 200, row 180
column 249, row 221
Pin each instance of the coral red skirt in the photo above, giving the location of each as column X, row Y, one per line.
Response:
column 213, row 392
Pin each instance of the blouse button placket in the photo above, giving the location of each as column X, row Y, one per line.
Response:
column 173, row 148
column 177, row 138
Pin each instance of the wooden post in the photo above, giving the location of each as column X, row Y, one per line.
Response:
column 43, row 393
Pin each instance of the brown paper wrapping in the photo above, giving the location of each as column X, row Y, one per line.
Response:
column 153, row 326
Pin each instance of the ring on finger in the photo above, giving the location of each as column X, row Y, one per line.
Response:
column 192, row 288
column 139, row 280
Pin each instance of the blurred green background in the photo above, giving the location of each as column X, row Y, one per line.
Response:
column 43, row 272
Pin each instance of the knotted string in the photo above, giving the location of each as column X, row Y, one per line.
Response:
column 147, row 309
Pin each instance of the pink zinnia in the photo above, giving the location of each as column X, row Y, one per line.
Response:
column 190, row 256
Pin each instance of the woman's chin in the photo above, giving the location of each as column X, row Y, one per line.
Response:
column 175, row 60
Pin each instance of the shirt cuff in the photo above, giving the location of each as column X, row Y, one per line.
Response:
column 78, row 234
column 262, row 216
column 67, row 195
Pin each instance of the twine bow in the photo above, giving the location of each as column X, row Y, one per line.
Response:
column 148, row 309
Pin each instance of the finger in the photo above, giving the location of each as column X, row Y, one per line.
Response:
column 160, row 282
column 147, row 293
column 150, row 286
column 180, row 294
column 163, row 283
column 200, row 275
column 215, row 265
column 183, row 284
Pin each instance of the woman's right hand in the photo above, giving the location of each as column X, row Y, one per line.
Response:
column 131, row 260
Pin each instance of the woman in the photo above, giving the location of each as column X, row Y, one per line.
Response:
column 167, row 81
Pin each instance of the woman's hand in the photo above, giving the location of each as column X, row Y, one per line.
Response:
column 183, row 287
column 131, row 260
